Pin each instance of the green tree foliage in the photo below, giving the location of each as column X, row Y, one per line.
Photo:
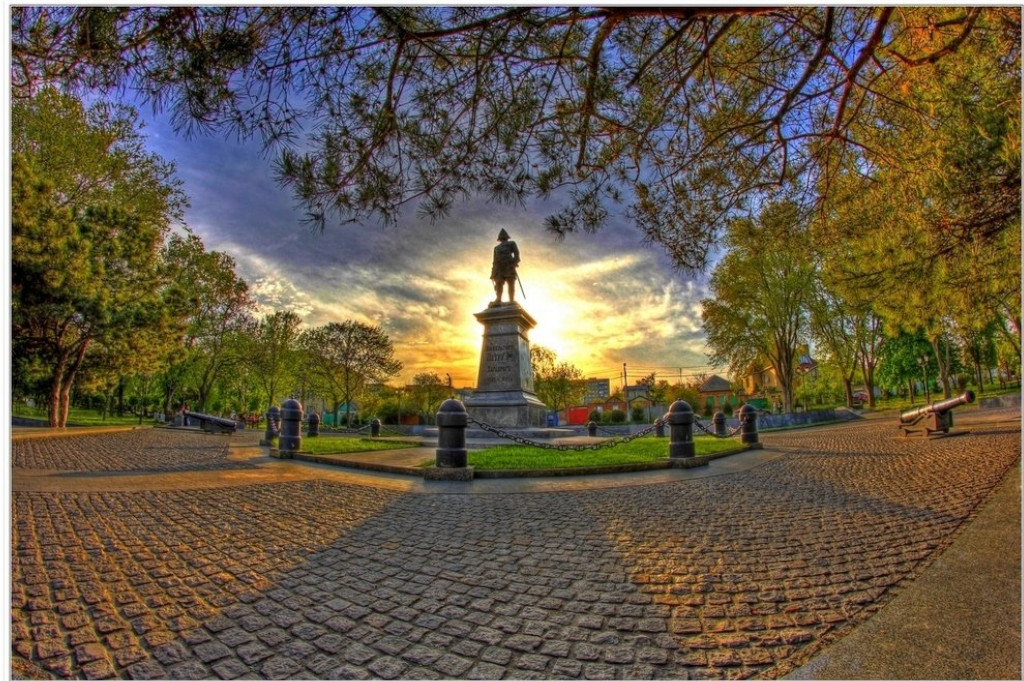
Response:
column 79, row 282
column 427, row 393
column 847, row 335
column 686, row 392
column 348, row 356
column 216, row 303
column 761, row 288
column 906, row 358
column 559, row 385
column 273, row 353
column 924, row 219
column 685, row 114
column 90, row 210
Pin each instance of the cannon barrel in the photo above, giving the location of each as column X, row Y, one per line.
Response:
column 937, row 407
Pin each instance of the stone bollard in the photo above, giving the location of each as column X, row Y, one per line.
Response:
column 273, row 425
column 375, row 428
column 680, row 421
column 748, row 424
column 314, row 424
column 290, row 439
column 451, row 454
column 452, row 420
column 659, row 428
column 718, row 420
column 592, row 429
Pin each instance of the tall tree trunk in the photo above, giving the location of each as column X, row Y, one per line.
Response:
column 69, row 381
column 943, row 365
column 169, row 400
column 53, row 408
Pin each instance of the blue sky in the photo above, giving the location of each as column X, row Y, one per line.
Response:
column 600, row 300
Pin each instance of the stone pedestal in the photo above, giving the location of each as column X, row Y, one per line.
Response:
column 504, row 395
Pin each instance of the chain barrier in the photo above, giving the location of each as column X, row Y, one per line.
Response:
column 336, row 429
column 364, row 430
column 608, row 431
column 606, row 444
column 696, row 422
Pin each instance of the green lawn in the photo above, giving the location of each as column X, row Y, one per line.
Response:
column 82, row 417
column 640, row 450
column 346, row 445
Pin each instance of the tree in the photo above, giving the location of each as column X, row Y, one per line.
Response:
column 933, row 237
column 761, row 290
column 90, row 209
column 835, row 325
column 350, row 355
column 979, row 348
column 428, row 391
column 686, row 114
column 870, row 337
column 216, row 302
column 273, row 352
column 77, row 282
column 905, row 359
column 559, row 385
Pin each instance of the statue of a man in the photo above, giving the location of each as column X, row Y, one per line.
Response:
column 503, row 267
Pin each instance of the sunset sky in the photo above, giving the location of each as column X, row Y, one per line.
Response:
column 599, row 300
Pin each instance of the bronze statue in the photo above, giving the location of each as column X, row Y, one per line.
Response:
column 503, row 267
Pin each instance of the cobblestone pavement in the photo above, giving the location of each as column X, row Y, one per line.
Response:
column 321, row 575
column 134, row 450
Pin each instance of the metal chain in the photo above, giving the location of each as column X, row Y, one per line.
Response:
column 700, row 425
column 607, row 431
column 518, row 439
column 335, row 429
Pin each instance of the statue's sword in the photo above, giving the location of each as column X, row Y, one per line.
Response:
column 520, row 285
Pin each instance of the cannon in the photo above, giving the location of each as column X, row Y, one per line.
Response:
column 941, row 414
column 212, row 424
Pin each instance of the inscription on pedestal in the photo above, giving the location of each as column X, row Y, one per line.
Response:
column 502, row 366
column 504, row 395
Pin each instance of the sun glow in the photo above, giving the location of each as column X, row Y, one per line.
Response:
column 594, row 312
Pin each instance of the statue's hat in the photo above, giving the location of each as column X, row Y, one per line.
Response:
column 503, row 235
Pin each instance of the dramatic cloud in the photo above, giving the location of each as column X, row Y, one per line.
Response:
column 599, row 300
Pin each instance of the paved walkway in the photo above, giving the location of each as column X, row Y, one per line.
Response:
column 835, row 552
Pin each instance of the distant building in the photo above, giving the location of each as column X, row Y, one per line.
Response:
column 715, row 391
column 614, row 404
column 635, row 392
column 598, row 391
column 762, row 380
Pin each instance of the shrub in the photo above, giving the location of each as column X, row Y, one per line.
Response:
column 614, row 416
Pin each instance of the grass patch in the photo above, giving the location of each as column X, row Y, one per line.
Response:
column 640, row 450
column 81, row 417
column 348, row 445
